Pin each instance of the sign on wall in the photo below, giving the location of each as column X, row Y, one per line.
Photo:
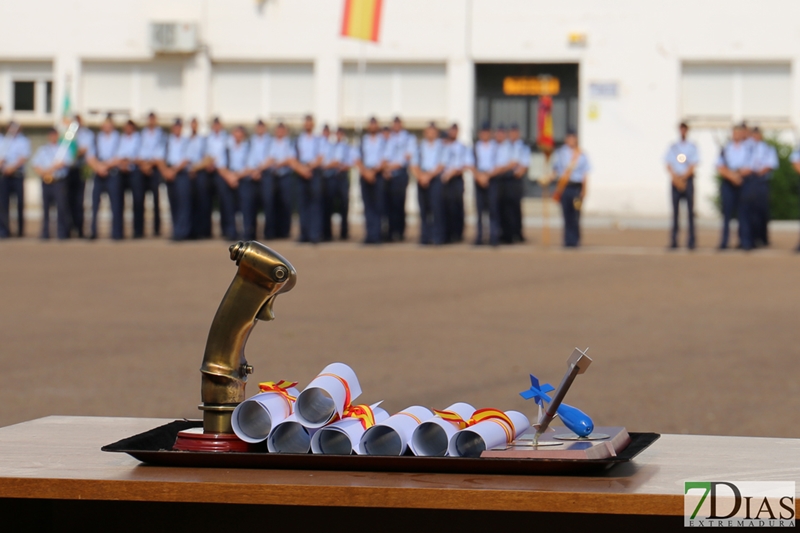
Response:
column 531, row 86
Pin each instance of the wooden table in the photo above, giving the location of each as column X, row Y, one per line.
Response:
column 53, row 470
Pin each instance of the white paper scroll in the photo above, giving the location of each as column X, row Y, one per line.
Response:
column 432, row 437
column 488, row 434
column 254, row 418
column 342, row 437
column 325, row 397
column 290, row 436
column 391, row 437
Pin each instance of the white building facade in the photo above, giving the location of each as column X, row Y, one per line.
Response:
column 640, row 68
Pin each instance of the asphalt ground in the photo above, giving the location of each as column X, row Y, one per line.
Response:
column 701, row 342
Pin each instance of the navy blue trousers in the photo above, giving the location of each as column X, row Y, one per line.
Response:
column 481, row 211
column 181, row 199
column 432, row 215
column 572, row 228
column 688, row 196
column 112, row 186
column 141, row 184
column 453, row 197
column 373, row 196
column 227, row 208
column 266, row 186
column 730, row 195
column 336, row 193
column 76, row 190
column 761, row 218
column 203, row 202
column 284, row 204
column 56, row 194
column 12, row 185
column 495, row 197
column 516, row 192
column 248, row 205
column 395, row 190
column 309, row 192
column 749, row 215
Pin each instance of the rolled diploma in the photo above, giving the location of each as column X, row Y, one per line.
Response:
column 254, row 418
column 324, row 441
column 290, row 436
column 391, row 436
column 431, row 438
column 325, row 397
column 485, row 435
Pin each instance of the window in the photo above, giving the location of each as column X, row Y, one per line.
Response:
column 24, row 95
column 48, row 102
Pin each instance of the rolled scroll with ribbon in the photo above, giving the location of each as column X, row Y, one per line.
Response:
column 391, row 437
column 290, row 436
column 253, row 419
column 342, row 437
column 327, row 397
column 432, row 437
column 487, row 429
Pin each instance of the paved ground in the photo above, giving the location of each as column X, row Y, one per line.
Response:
column 682, row 343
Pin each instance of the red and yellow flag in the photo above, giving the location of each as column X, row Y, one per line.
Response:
column 362, row 19
column 545, row 124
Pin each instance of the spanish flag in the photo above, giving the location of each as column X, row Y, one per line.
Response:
column 545, row 124
column 362, row 19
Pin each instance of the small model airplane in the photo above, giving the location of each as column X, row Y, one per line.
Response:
column 576, row 420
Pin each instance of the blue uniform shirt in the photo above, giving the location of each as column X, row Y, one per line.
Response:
column 342, row 153
column 151, row 144
column 85, row 139
column 431, row 155
column 237, row 155
column 400, row 148
column 372, row 147
column 502, row 154
column 457, row 156
column 128, row 147
column 736, row 155
column 521, row 153
column 563, row 158
column 309, row 147
column 195, row 149
column 484, row 155
column 15, row 148
column 106, row 146
column 45, row 157
column 259, row 146
column 280, row 150
column 681, row 155
column 176, row 151
column 764, row 156
column 217, row 148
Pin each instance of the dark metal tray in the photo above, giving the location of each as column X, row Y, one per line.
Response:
column 154, row 447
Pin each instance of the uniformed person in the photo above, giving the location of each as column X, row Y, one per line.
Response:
column 457, row 159
column 106, row 179
column 484, row 150
column 398, row 152
column 15, row 149
column 764, row 163
column 502, row 177
column 309, row 182
column 201, row 195
column 76, row 184
column 175, row 168
column 281, row 164
column 427, row 170
column 52, row 162
column 370, row 168
column 233, row 176
column 216, row 160
column 571, row 166
column 146, row 176
column 256, row 165
column 521, row 155
column 733, row 165
column 337, row 163
column 327, row 172
column 681, row 159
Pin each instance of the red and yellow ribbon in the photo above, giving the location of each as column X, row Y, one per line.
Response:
column 282, row 387
column 492, row 415
column 362, row 412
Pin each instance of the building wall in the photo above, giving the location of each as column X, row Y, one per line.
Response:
column 282, row 58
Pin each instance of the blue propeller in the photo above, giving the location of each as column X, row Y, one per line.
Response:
column 576, row 420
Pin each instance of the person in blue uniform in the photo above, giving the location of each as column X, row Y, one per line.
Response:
column 106, row 179
column 502, row 178
column 76, row 185
column 733, row 165
column 52, row 162
column 201, row 197
column 125, row 163
column 338, row 161
column 309, row 182
column 457, row 159
column 763, row 164
column 521, row 155
column 326, row 172
column 681, row 160
column 571, row 167
column 229, row 188
column 256, row 166
column 174, row 168
column 146, row 176
column 427, row 170
column 217, row 142
column 281, row 164
column 397, row 157
column 15, row 149
column 370, row 168
column 484, row 155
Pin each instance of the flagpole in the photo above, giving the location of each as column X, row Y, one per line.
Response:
column 362, row 74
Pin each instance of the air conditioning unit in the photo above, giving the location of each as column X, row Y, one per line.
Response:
column 173, row 37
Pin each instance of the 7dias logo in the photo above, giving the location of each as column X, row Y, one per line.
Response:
column 739, row 504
